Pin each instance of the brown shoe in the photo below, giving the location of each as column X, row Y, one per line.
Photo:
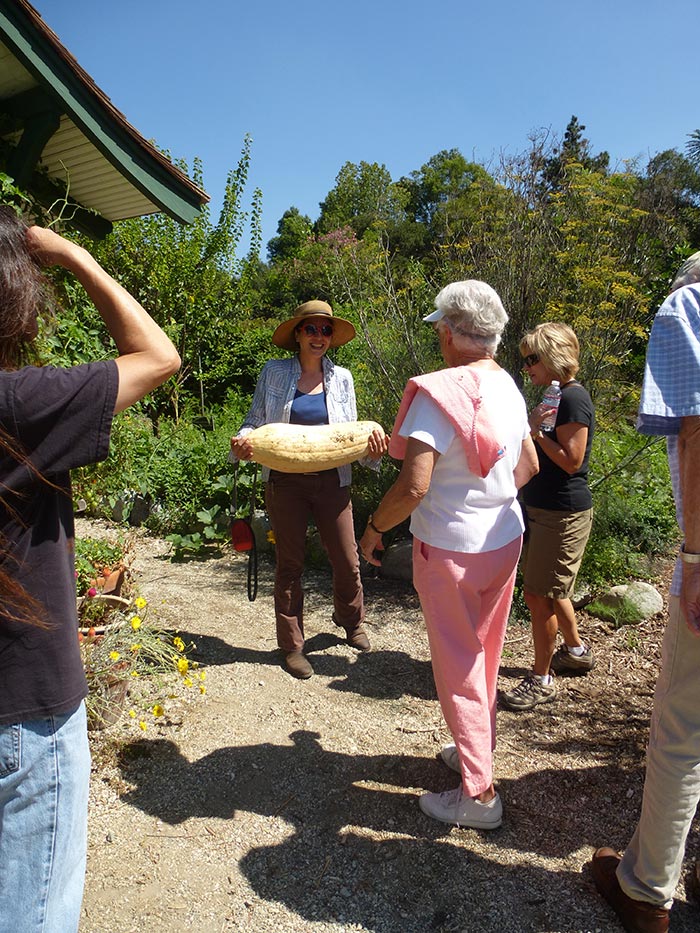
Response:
column 358, row 639
column 297, row 665
column 635, row 916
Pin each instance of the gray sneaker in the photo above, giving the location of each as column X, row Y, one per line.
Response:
column 528, row 694
column 453, row 807
column 450, row 756
column 565, row 662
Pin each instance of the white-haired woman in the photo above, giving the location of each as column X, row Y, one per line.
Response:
column 464, row 438
column 560, row 515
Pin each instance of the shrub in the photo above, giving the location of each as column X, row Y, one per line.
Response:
column 93, row 558
column 633, row 510
column 181, row 468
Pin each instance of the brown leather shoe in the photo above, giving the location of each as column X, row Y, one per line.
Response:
column 358, row 639
column 297, row 665
column 635, row 916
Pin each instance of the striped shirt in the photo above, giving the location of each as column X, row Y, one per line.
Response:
column 671, row 388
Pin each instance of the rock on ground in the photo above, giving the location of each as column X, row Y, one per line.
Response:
column 630, row 602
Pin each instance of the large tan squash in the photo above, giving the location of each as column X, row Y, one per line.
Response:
column 299, row 448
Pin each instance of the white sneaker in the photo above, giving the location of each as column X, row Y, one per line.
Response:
column 450, row 757
column 453, row 807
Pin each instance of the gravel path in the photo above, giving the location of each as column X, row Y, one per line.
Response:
column 272, row 804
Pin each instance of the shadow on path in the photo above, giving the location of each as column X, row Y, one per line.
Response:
column 361, row 851
column 377, row 674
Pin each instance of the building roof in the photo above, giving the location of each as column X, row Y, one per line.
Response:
column 59, row 132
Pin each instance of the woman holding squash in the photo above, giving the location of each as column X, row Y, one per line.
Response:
column 309, row 389
column 463, row 435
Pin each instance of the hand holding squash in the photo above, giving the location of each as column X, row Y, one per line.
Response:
column 241, row 449
column 378, row 443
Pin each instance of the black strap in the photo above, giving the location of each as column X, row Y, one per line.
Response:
column 252, row 577
column 253, row 573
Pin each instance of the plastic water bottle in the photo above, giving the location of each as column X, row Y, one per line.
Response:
column 551, row 399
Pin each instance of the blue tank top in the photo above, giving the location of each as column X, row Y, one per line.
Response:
column 309, row 409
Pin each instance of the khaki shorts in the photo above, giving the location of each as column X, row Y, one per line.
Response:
column 554, row 550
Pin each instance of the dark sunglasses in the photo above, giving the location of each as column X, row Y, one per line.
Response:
column 317, row 330
column 531, row 359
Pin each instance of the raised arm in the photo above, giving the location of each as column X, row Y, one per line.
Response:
column 147, row 356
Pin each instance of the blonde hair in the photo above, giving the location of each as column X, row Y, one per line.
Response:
column 557, row 347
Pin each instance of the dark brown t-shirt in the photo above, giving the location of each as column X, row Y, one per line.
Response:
column 554, row 488
column 62, row 418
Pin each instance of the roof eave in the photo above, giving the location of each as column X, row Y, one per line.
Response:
column 149, row 170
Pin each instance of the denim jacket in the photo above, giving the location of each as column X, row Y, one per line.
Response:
column 274, row 394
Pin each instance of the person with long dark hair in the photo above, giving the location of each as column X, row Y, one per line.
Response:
column 52, row 419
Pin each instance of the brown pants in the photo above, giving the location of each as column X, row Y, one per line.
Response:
column 290, row 499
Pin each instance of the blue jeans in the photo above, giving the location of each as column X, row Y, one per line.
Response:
column 44, row 778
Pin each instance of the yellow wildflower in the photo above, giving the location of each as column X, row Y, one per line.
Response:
column 135, row 674
column 202, row 688
column 136, row 647
column 135, row 623
column 183, row 665
column 179, row 644
column 143, row 726
column 140, row 602
column 202, row 675
column 187, row 681
column 132, row 713
column 158, row 710
column 114, row 655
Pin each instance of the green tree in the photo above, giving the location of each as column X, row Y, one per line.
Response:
column 693, row 148
column 293, row 230
column 439, row 186
column 363, row 195
column 670, row 195
column 505, row 239
column 576, row 149
column 191, row 280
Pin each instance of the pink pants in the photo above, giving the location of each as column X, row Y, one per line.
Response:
column 466, row 601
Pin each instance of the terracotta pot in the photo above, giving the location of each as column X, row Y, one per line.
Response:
column 105, row 601
column 108, row 701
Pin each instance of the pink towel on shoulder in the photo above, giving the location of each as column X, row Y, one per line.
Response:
column 457, row 392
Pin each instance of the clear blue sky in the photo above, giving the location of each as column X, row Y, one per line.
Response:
column 317, row 83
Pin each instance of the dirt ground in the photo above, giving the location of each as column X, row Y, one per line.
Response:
column 272, row 804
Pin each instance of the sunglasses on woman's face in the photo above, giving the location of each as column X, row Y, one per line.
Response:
column 318, row 330
column 531, row 359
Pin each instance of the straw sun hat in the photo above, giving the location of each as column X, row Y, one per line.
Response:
column 343, row 331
